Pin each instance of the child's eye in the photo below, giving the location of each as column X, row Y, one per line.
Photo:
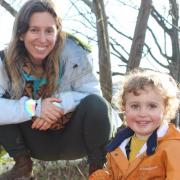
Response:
column 134, row 106
column 152, row 106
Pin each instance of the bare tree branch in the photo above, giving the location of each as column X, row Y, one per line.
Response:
column 157, row 44
column 118, row 54
column 154, row 58
column 89, row 4
column 159, row 19
column 8, row 7
column 86, row 17
column 119, row 32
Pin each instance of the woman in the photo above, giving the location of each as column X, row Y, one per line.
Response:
column 49, row 95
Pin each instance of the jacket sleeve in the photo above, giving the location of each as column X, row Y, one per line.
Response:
column 103, row 174
column 172, row 159
column 78, row 76
column 11, row 111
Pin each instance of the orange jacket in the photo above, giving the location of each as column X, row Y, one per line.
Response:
column 164, row 164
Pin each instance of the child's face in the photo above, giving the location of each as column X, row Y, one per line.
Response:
column 144, row 113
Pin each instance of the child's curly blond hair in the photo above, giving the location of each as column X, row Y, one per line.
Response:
column 164, row 83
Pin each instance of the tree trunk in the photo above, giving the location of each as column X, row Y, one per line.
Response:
column 104, row 50
column 175, row 65
column 139, row 34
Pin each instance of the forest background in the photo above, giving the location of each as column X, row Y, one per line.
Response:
column 123, row 35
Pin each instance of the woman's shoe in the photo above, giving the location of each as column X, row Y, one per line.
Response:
column 21, row 170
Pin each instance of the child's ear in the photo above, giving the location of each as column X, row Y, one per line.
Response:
column 165, row 113
column 123, row 109
column 124, row 116
column 165, row 108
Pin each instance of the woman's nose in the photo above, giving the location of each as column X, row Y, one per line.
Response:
column 42, row 37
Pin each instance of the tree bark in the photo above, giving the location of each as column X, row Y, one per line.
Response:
column 173, row 32
column 175, row 66
column 139, row 34
column 175, row 70
column 104, row 50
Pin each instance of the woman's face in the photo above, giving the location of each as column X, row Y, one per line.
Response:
column 40, row 37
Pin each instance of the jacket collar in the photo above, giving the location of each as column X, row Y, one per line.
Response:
column 126, row 133
column 119, row 138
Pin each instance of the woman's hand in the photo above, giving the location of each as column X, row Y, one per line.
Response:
column 50, row 112
column 41, row 124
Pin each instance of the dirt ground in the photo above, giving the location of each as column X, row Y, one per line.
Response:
column 53, row 170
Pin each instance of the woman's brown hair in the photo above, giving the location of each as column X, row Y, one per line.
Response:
column 16, row 52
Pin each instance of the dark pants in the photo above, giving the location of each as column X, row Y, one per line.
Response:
column 87, row 133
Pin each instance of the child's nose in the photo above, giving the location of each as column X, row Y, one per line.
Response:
column 143, row 111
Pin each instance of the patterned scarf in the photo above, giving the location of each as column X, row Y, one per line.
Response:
column 34, row 88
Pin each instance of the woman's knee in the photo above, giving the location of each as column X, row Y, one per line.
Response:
column 97, row 110
column 95, row 102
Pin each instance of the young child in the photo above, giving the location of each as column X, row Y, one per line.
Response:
column 149, row 147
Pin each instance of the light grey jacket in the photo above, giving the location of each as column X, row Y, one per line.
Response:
column 78, row 80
